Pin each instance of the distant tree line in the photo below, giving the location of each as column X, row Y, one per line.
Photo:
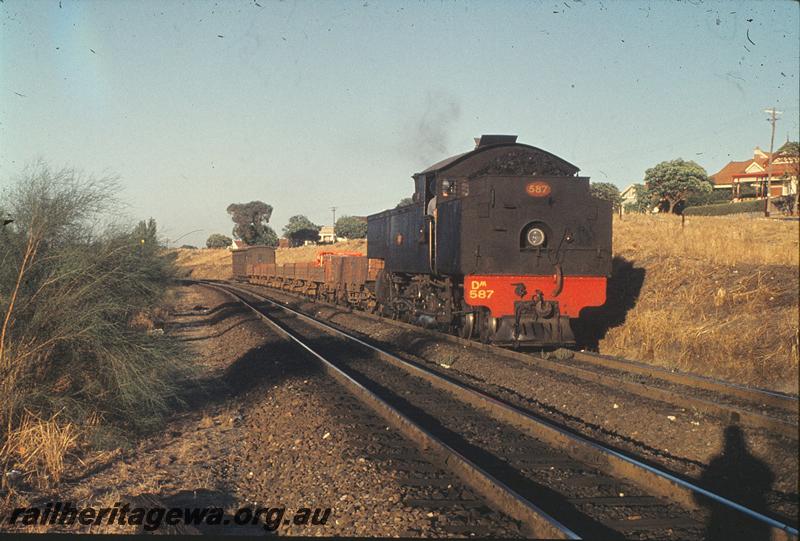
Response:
column 251, row 226
column 670, row 186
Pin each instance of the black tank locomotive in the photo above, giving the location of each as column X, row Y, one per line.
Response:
column 503, row 242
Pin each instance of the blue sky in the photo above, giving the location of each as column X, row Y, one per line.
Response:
column 311, row 104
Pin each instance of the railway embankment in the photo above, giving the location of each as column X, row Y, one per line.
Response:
column 716, row 296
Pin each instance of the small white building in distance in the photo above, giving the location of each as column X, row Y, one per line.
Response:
column 326, row 234
column 628, row 195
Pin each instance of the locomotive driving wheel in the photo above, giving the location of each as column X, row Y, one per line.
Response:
column 466, row 325
column 487, row 325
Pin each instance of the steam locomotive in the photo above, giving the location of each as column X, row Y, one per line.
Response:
column 503, row 243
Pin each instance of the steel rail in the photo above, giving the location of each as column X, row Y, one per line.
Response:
column 643, row 475
column 726, row 412
column 535, row 521
column 758, row 396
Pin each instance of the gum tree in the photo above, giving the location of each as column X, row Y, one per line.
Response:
column 250, row 223
column 351, row 227
column 300, row 229
column 673, row 181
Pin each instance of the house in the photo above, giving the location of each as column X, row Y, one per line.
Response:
column 749, row 177
column 237, row 245
column 628, row 196
column 327, row 234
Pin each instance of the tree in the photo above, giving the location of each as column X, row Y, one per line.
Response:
column 300, row 229
column 218, row 240
column 643, row 200
column 675, row 180
column 270, row 237
column 145, row 232
column 250, row 221
column 404, row 202
column 789, row 148
column 607, row 192
column 351, row 227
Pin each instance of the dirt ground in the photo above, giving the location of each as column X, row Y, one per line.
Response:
column 266, row 429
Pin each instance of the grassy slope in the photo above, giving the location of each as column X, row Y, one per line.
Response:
column 718, row 297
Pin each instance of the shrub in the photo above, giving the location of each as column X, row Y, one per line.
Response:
column 708, row 198
column 784, row 204
column 726, row 208
column 217, row 240
column 70, row 292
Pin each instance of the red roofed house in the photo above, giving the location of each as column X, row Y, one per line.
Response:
column 737, row 176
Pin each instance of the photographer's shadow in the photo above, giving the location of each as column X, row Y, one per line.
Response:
column 738, row 475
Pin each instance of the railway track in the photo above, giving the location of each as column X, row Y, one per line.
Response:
column 557, row 484
column 761, row 409
column 682, row 451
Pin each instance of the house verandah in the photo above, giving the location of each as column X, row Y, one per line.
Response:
column 749, row 178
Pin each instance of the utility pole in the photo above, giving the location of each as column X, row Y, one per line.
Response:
column 334, row 215
column 773, row 118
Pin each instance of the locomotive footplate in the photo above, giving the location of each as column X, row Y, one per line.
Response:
column 534, row 323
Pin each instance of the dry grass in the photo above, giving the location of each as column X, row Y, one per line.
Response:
column 723, row 240
column 37, row 448
column 205, row 263
column 718, row 297
column 309, row 253
column 215, row 263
